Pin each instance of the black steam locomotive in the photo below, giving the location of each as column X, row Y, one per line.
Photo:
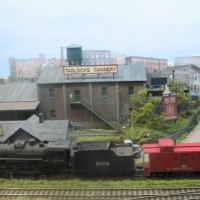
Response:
column 66, row 156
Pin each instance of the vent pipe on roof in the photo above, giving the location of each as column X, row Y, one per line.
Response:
column 1, row 130
column 41, row 119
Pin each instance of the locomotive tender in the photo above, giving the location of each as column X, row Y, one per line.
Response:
column 104, row 158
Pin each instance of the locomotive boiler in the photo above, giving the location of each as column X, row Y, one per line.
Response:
column 30, row 157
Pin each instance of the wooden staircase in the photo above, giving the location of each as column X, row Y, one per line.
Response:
column 95, row 112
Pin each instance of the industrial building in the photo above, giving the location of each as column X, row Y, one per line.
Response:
column 92, row 100
column 92, row 96
column 151, row 64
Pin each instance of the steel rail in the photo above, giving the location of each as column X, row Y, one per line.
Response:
column 103, row 194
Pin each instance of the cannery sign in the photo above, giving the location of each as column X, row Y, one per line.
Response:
column 90, row 69
column 170, row 106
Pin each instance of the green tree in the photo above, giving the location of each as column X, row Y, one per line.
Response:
column 182, row 96
column 146, row 110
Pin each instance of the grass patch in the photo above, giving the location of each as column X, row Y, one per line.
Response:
column 98, row 183
column 98, row 138
column 175, row 126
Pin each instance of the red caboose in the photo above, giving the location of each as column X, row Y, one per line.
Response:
column 167, row 157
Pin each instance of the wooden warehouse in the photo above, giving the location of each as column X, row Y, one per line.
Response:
column 18, row 101
column 93, row 100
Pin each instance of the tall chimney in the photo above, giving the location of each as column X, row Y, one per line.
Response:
column 62, row 57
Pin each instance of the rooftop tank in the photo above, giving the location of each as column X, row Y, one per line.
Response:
column 74, row 54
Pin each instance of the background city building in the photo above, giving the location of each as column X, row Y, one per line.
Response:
column 185, row 60
column 29, row 68
column 151, row 64
column 188, row 75
column 101, row 57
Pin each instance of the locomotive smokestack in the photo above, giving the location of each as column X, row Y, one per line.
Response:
column 41, row 119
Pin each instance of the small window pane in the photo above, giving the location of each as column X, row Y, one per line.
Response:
column 53, row 114
column 51, row 93
column 130, row 90
column 103, row 91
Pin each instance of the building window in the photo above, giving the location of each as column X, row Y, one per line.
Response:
column 130, row 90
column 51, row 92
column 53, row 114
column 77, row 95
column 103, row 91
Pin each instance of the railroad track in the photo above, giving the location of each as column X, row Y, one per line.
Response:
column 103, row 194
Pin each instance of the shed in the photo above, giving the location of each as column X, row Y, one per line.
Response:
column 18, row 101
column 33, row 127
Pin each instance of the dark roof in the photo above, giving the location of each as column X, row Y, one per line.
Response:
column 18, row 96
column 48, row 130
column 54, row 74
column 74, row 45
column 18, row 106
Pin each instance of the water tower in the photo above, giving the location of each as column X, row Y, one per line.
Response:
column 74, row 54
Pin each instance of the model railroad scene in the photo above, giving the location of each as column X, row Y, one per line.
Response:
column 62, row 157
column 25, row 154
column 90, row 149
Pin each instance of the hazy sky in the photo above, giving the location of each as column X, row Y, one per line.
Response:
column 152, row 28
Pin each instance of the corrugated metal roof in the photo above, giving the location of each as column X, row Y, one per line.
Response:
column 20, row 91
column 19, row 106
column 48, row 130
column 54, row 74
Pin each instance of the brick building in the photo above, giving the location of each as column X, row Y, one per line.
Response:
column 93, row 100
column 22, row 69
column 29, row 68
column 151, row 64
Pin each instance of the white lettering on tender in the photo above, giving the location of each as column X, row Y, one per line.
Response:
column 102, row 163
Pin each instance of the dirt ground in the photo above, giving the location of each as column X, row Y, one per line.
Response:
column 194, row 136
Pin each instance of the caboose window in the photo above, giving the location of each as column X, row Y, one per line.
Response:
column 146, row 158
